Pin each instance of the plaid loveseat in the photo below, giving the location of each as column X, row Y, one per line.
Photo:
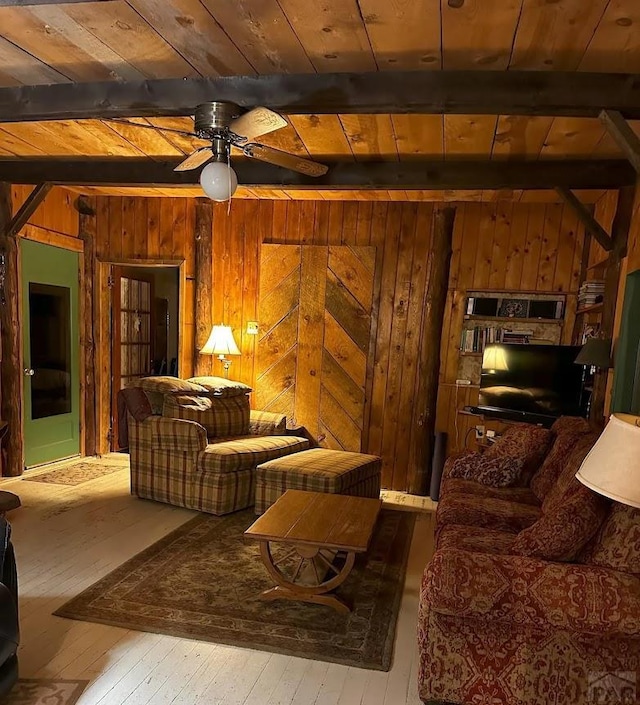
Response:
column 202, row 449
column 533, row 594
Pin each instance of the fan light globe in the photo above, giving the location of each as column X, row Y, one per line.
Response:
column 218, row 181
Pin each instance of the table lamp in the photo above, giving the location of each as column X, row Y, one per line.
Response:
column 221, row 343
column 612, row 467
column 494, row 359
column 596, row 352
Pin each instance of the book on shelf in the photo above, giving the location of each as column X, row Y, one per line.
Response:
column 474, row 340
column 591, row 292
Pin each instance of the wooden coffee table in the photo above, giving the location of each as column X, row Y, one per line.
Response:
column 316, row 538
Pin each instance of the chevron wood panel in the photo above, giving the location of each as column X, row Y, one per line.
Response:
column 315, row 306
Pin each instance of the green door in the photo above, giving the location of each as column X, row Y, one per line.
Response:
column 51, row 351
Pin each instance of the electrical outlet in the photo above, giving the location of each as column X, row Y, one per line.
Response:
column 480, row 431
column 252, row 328
column 491, row 434
column 463, row 382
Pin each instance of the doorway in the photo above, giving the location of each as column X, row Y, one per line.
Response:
column 51, row 352
column 144, row 328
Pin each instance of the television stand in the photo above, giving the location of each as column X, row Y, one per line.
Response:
column 512, row 415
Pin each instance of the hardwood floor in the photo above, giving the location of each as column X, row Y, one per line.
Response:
column 68, row 537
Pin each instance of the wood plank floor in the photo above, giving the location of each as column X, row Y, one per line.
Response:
column 66, row 538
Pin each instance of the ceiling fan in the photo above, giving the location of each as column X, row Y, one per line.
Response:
column 224, row 125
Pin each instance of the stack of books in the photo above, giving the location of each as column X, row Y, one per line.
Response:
column 477, row 338
column 591, row 292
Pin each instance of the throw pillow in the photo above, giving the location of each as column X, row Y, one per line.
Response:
column 552, row 466
column 617, row 544
column 502, row 471
column 221, row 387
column 526, row 442
column 560, row 534
column 156, row 387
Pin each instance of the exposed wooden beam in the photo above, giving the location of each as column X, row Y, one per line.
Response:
column 11, row 393
column 203, row 316
column 548, row 93
column 619, row 236
column 431, row 175
column 586, row 218
column 27, row 209
column 624, row 136
column 27, row 3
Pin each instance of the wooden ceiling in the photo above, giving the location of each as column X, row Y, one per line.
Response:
column 138, row 39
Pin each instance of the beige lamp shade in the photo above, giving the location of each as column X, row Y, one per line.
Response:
column 220, row 342
column 494, row 359
column 612, row 467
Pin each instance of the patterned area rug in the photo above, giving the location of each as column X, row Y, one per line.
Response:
column 82, row 470
column 45, row 691
column 203, row 581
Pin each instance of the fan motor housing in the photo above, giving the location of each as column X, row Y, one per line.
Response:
column 212, row 120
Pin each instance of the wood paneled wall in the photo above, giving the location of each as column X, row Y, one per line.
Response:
column 152, row 229
column 502, row 246
column 510, row 247
column 401, row 232
column 55, row 214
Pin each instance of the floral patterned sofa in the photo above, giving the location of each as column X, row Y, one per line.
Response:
column 533, row 593
column 195, row 443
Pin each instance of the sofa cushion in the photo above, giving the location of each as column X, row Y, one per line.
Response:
column 526, row 442
column 555, row 462
column 561, row 533
column 570, row 424
column 220, row 416
column 454, row 485
column 556, row 493
column 617, row 543
column 487, row 512
column 221, row 387
column 476, row 539
column 497, row 471
column 247, row 452
column 156, row 387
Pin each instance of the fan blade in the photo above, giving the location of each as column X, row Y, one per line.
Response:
column 256, row 122
column 195, row 159
column 284, row 159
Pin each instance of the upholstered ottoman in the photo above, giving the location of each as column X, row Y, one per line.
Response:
column 318, row 470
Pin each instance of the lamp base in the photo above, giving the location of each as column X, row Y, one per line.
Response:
column 226, row 364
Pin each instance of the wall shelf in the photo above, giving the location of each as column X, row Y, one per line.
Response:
column 594, row 308
column 473, row 317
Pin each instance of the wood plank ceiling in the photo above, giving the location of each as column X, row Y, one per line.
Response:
column 137, row 39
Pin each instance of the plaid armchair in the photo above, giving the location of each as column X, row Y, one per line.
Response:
column 202, row 451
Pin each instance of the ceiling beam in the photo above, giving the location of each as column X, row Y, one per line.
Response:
column 424, row 175
column 624, row 136
column 549, row 93
column 27, row 209
column 28, row 3
column 586, row 218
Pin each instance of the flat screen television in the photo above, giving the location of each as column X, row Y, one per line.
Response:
column 532, row 382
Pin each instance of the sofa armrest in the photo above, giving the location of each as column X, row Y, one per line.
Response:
column 528, row 592
column 266, row 423
column 174, row 434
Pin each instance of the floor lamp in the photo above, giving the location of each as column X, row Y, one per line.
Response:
column 221, row 343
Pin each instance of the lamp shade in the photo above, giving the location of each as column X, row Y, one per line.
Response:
column 612, row 467
column 220, row 342
column 595, row 352
column 494, row 359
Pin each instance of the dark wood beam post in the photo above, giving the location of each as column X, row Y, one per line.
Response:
column 433, row 306
column 27, row 209
column 586, row 218
column 204, row 284
column 619, row 236
column 87, row 230
column 624, row 136
column 11, row 365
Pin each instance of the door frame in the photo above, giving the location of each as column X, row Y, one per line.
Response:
column 102, row 292
column 73, row 244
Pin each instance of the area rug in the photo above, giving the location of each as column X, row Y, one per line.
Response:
column 80, row 471
column 203, row 581
column 45, row 691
